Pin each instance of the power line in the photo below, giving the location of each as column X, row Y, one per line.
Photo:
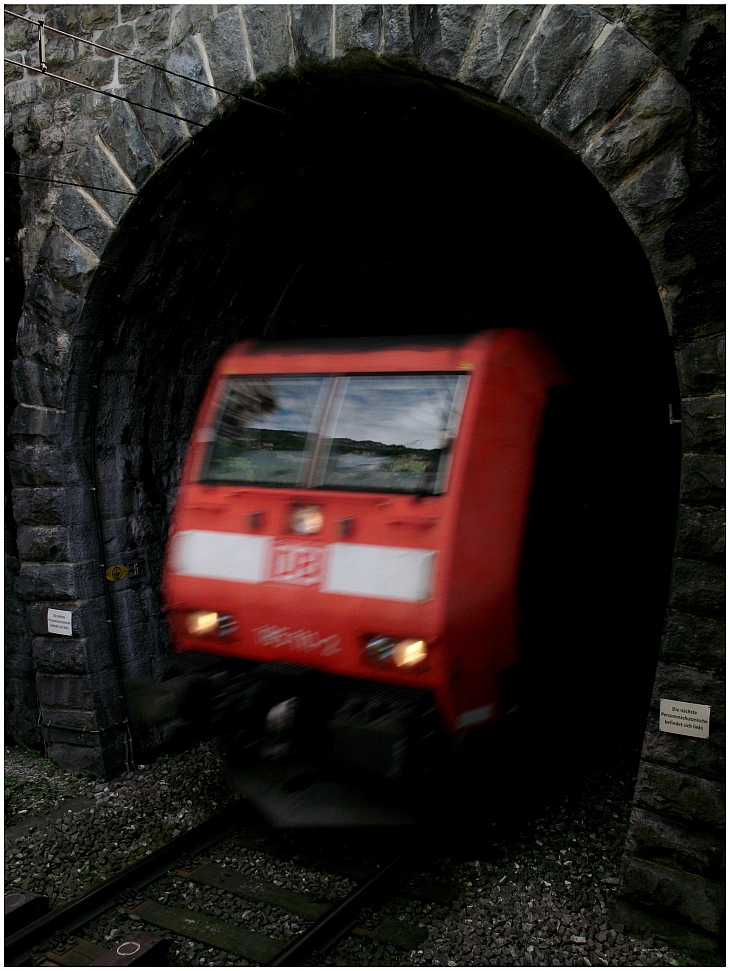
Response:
column 118, row 97
column 76, row 185
column 138, row 60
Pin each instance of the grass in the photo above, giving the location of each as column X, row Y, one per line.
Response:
column 30, row 778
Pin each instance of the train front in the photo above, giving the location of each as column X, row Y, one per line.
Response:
column 305, row 578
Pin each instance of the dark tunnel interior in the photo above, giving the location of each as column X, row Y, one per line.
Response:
column 385, row 204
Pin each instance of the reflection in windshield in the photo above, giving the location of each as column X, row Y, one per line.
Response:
column 382, row 433
column 263, row 430
column 388, row 432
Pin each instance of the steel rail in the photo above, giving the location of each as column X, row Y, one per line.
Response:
column 337, row 922
column 95, row 901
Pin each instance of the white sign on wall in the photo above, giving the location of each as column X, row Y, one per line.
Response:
column 59, row 622
column 684, row 718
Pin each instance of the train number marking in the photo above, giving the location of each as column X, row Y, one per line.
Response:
column 296, row 562
column 296, row 640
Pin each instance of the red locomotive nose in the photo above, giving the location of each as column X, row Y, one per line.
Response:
column 356, row 514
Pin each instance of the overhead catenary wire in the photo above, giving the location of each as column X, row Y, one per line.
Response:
column 139, row 60
column 42, row 26
column 118, row 97
column 76, row 185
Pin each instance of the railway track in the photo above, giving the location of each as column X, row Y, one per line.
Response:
column 153, row 897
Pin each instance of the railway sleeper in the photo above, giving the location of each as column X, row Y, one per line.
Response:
column 138, row 948
column 23, row 907
column 208, row 930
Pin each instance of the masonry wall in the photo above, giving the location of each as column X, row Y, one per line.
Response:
column 635, row 92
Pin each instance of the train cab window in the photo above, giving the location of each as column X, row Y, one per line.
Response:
column 391, row 433
column 265, row 430
column 360, row 433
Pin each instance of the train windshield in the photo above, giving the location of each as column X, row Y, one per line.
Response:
column 359, row 433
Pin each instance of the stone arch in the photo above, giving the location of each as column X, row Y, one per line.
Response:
column 587, row 77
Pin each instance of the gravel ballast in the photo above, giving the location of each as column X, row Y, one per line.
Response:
column 538, row 894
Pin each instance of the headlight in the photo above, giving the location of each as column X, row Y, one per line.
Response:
column 409, row 652
column 210, row 622
column 202, row 622
column 305, row 520
column 404, row 654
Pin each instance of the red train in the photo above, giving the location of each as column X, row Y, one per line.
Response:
column 341, row 577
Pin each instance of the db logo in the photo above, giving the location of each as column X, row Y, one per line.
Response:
column 296, row 562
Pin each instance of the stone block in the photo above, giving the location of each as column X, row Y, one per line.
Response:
column 36, row 384
column 24, row 92
column 59, row 581
column 96, row 72
column 311, row 29
column 124, row 139
column 52, row 304
column 35, row 425
column 396, row 31
column 699, row 310
column 188, row 19
column 705, row 149
column 96, row 16
column 268, row 34
column 681, row 796
column 668, row 891
column 655, row 192
column 153, row 28
column 358, row 26
column 616, row 68
column 94, row 168
column 703, row 424
column 51, row 141
column 47, row 544
column 70, row 735
column 78, row 758
column 60, row 655
column 702, row 756
column 654, row 24
column 108, row 699
column 71, row 719
column 690, row 639
column 86, row 222
column 683, row 683
column 673, row 845
column 21, row 710
column 700, row 533
column 60, row 52
column 701, row 366
column 699, row 231
column 563, row 36
column 19, row 35
column 196, row 102
column 45, row 466
column 134, row 608
column 42, row 115
column 38, row 506
column 164, row 135
column 698, row 587
column 225, row 47
column 125, row 539
column 65, row 691
column 657, row 115
column 500, row 38
column 445, row 36
column 42, row 342
column 702, row 480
